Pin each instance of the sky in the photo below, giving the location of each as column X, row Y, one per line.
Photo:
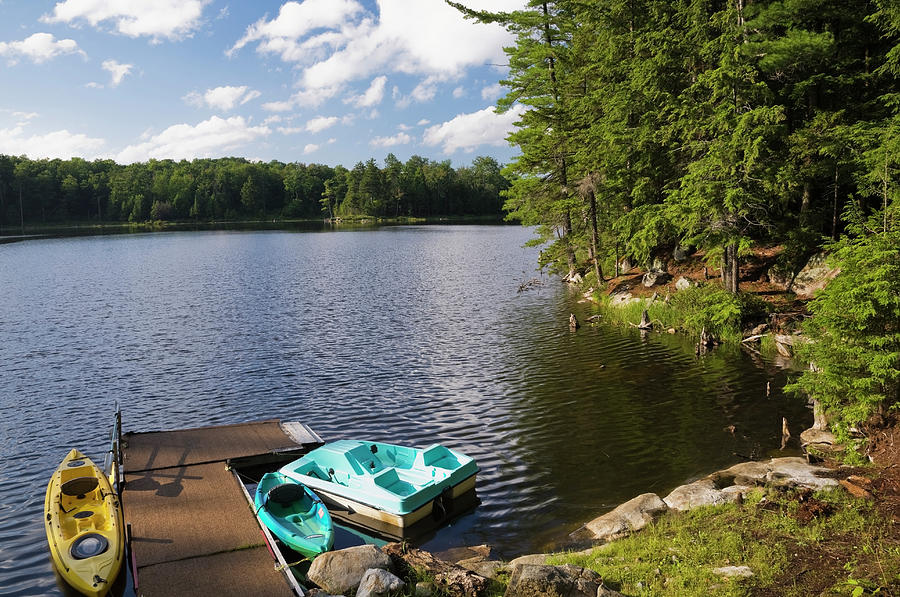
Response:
column 312, row 81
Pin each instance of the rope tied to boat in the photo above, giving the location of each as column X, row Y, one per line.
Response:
column 281, row 567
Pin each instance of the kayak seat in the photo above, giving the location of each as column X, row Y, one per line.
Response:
column 286, row 494
column 79, row 486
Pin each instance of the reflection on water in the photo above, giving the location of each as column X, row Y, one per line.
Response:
column 406, row 335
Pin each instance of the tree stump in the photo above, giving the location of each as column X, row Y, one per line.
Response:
column 455, row 580
column 645, row 323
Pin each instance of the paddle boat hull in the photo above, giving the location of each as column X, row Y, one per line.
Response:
column 83, row 521
column 396, row 485
column 294, row 514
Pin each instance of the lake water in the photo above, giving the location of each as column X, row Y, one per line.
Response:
column 409, row 335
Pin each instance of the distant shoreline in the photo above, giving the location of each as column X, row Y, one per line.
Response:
column 31, row 232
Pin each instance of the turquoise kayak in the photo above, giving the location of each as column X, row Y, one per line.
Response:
column 397, row 485
column 294, row 514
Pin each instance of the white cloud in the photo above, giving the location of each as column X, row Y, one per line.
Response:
column 170, row 19
column 210, row 138
column 467, row 131
column 320, row 123
column 223, row 98
column 459, row 92
column 117, row 70
column 373, row 95
column 337, row 41
column 309, row 98
column 281, row 35
column 22, row 118
column 398, row 139
column 492, row 92
column 426, row 90
column 57, row 144
column 290, row 130
column 310, row 148
column 278, row 106
column 423, row 122
column 39, row 47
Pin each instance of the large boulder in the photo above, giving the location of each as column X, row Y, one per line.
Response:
column 814, row 276
column 378, row 583
column 533, row 559
column 553, row 581
column 693, row 495
column 622, row 298
column 341, row 571
column 631, row 516
column 747, row 473
column 683, row 283
column 652, row 278
column 482, row 567
column 795, row 471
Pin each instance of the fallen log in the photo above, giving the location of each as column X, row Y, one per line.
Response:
column 754, row 338
column 455, row 580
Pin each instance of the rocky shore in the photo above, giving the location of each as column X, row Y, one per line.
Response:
column 366, row 571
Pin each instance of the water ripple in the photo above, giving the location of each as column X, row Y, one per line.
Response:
column 412, row 335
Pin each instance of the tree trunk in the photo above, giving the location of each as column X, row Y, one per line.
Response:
column 731, row 269
column 735, row 270
column 835, row 212
column 598, row 271
column 805, row 200
column 617, row 259
column 453, row 579
column 567, row 240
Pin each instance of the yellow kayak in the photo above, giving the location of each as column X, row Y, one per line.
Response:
column 84, row 525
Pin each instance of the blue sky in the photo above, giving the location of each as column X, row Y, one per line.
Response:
column 327, row 81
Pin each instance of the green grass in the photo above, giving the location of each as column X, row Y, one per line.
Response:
column 677, row 555
column 691, row 310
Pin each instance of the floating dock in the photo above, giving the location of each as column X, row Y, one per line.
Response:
column 193, row 531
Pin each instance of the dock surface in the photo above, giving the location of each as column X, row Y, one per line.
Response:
column 193, row 531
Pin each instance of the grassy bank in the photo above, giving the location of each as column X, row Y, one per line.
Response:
column 795, row 543
column 722, row 314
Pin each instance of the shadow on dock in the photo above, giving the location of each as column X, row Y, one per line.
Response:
column 193, row 531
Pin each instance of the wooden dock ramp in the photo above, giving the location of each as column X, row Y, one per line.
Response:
column 193, row 532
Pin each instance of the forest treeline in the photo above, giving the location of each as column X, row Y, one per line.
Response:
column 39, row 192
column 718, row 125
column 710, row 124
